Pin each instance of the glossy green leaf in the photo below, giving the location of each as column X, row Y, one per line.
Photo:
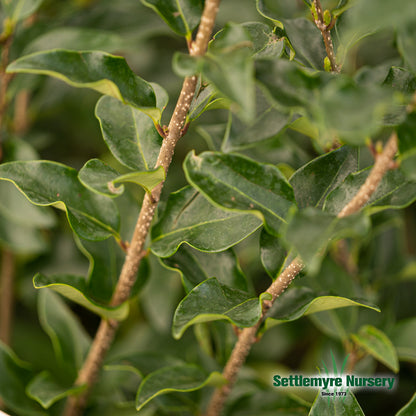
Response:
column 315, row 180
column 76, row 289
column 195, row 267
column 103, row 179
column 273, row 254
column 346, row 407
column 298, row 302
column 69, row 339
column 267, row 124
column 394, row 191
column 18, row 10
column 310, row 231
column 129, row 134
column 191, row 218
column 409, row 409
column 14, row 376
column 206, row 98
column 212, row 300
column 403, row 337
column 47, row 391
column 91, row 216
column 237, row 183
column 182, row 16
column 180, row 378
column 102, row 72
column 376, row 343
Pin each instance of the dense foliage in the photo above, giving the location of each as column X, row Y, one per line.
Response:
column 280, row 139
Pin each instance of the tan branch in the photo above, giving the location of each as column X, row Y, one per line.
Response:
column 7, row 273
column 107, row 329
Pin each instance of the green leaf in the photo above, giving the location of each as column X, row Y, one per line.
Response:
column 14, row 376
column 47, row 391
column 403, row 337
column 179, row 378
column 273, row 254
column 91, row 216
column 189, row 217
column 182, row 16
column 267, row 124
column 101, row 178
column 407, row 45
column 102, row 72
column 195, row 267
column 211, row 301
column 315, row 180
column 310, row 231
column 129, row 134
column 407, row 147
column 409, row 409
column 76, row 289
column 237, row 183
column 394, row 191
column 18, row 10
column 298, row 302
column 69, row 339
column 376, row 343
column 324, row 407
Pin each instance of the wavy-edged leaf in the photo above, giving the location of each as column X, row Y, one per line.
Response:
column 377, row 344
column 409, row 409
column 238, row 183
column 212, row 300
column 179, row 378
column 17, row 10
column 182, row 16
column 47, row 391
column 346, row 407
column 100, row 71
column 403, row 338
column 129, row 134
column 91, row 216
column 76, row 289
column 315, row 180
column 298, row 302
column 103, row 179
column 190, row 218
column 196, row 266
column 273, row 253
column 394, row 191
column 14, row 376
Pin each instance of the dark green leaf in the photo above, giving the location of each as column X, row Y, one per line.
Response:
column 376, row 343
column 401, row 80
column 102, row 72
column 76, row 289
column 180, row 378
column 91, row 216
column 101, row 178
column 212, row 300
column 346, row 407
column 403, row 337
column 69, row 339
column 182, row 16
column 237, row 183
column 314, row 181
column 47, row 391
column 14, row 376
column 298, row 302
column 394, row 191
column 195, row 267
column 190, row 218
column 129, row 134
column 409, row 409
column 18, row 10
column 273, row 254
column 407, row 147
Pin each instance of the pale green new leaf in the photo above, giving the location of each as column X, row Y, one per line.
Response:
column 337, row 406
column 17, row 10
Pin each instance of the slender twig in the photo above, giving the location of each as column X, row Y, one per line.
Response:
column 325, row 29
column 7, row 273
column 107, row 329
column 247, row 336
